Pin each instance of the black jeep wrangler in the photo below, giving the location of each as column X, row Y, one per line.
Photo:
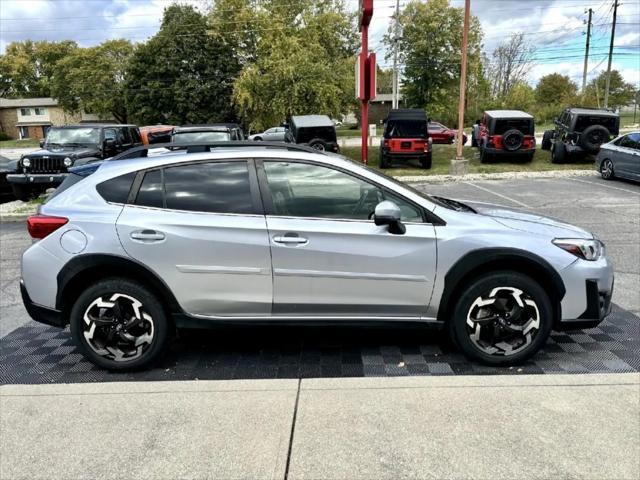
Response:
column 67, row 146
column 580, row 132
column 317, row 131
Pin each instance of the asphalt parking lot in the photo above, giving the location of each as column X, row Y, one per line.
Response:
column 33, row 353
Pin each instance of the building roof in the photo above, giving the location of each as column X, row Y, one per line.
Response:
column 28, row 102
column 508, row 114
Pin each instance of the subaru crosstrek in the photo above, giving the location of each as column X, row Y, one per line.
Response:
column 140, row 247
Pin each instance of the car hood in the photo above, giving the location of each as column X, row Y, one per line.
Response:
column 529, row 222
column 75, row 152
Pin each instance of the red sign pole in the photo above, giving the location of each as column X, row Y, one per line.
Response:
column 364, row 110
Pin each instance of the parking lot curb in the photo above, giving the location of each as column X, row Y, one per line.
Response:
column 495, row 176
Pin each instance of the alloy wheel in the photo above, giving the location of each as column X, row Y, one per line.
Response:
column 607, row 169
column 117, row 327
column 503, row 322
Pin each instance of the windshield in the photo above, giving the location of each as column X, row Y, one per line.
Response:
column 406, row 128
column 80, row 136
column 198, row 137
column 524, row 125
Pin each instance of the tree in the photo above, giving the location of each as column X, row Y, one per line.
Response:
column 621, row 93
column 556, row 89
column 384, row 80
column 429, row 48
column 304, row 63
column 183, row 74
column 511, row 63
column 521, row 96
column 27, row 68
column 92, row 79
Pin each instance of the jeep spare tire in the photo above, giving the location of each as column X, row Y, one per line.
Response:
column 546, row 140
column 512, row 140
column 318, row 144
column 593, row 137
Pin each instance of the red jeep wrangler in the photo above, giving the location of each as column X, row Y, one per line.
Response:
column 406, row 137
column 504, row 133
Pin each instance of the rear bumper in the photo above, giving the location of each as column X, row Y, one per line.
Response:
column 523, row 152
column 41, row 314
column 404, row 155
column 40, row 179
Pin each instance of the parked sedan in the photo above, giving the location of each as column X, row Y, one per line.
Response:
column 441, row 134
column 275, row 134
column 620, row 158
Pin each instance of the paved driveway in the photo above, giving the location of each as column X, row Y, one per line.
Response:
column 33, row 353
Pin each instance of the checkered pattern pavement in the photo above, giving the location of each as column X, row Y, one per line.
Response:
column 36, row 354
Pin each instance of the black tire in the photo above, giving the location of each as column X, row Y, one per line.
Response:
column 537, row 312
column 384, row 161
column 484, row 156
column 425, row 162
column 24, row 193
column 592, row 137
column 318, row 144
column 546, row 140
column 474, row 136
column 512, row 140
column 257, row 139
column 558, row 152
column 606, row 169
column 155, row 324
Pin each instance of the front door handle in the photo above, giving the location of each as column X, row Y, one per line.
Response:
column 147, row 236
column 289, row 239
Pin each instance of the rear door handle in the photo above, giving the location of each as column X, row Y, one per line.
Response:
column 147, row 236
column 290, row 239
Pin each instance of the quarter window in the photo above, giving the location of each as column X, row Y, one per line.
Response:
column 313, row 191
column 117, row 189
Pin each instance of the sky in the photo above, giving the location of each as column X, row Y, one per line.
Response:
column 556, row 28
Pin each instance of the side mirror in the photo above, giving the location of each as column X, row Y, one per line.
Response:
column 388, row 213
column 41, row 143
column 108, row 143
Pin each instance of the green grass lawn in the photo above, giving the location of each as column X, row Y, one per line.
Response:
column 443, row 154
column 347, row 131
column 27, row 143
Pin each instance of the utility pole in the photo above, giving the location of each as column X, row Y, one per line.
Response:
column 460, row 166
column 586, row 53
column 394, row 101
column 613, row 35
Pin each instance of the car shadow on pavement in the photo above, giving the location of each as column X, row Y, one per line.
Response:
column 37, row 354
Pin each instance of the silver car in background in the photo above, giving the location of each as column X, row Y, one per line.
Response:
column 620, row 158
column 275, row 134
column 140, row 247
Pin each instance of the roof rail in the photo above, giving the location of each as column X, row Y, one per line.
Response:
column 142, row 151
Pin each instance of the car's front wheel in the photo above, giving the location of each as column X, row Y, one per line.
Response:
column 118, row 324
column 501, row 318
column 606, row 169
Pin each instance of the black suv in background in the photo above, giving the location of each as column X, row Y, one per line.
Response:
column 65, row 147
column 579, row 132
column 317, row 131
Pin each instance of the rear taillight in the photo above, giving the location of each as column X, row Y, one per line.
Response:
column 40, row 226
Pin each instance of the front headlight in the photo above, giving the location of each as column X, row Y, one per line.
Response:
column 26, row 162
column 68, row 162
column 587, row 249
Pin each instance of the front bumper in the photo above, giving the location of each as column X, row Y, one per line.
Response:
column 40, row 179
column 41, row 314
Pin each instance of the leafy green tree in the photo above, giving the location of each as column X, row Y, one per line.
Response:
column 183, row 74
column 92, row 79
column 556, row 89
column 27, row 68
column 304, row 63
column 430, row 48
column 384, row 79
column 621, row 93
column 521, row 96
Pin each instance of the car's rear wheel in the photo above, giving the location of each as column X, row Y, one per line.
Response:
column 425, row 162
column 24, row 193
column 501, row 318
column 485, row 157
column 257, row 139
column 558, row 152
column 118, row 324
column 384, row 160
column 318, row 144
column 606, row 169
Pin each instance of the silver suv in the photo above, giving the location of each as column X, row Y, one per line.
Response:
column 133, row 249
